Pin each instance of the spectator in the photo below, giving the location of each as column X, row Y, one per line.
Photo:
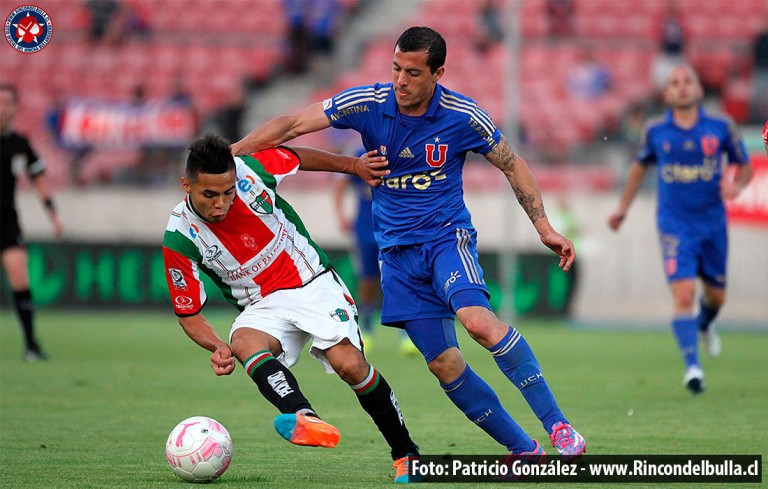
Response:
column 672, row 45
column 227, row 120
column 312, row 29
column 560, row 14
column 760, row 77
column 103, row 13
column 298, row 36
column 589, row 79
column 490, row 32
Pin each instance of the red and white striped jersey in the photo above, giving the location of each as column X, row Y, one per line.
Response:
column 261, row 245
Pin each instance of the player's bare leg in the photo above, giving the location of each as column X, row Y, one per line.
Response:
column 712, row 300
column 15, row 263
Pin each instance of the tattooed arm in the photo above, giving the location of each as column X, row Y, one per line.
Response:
column 527, row 192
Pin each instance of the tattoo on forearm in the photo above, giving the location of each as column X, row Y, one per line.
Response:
column 528, row 203
column 505, row 156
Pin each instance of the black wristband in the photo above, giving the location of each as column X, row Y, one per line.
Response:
column 48, row 203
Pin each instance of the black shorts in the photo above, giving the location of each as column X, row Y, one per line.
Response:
column 10, row 232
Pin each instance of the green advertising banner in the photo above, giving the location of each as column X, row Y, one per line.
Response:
column 87, row 275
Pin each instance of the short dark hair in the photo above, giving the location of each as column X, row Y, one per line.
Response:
column 209, row 154
column 424, row 39
column 11, row 88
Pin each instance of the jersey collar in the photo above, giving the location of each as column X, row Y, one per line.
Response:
column 669, row 118
column 191, row 208
column 390, row 108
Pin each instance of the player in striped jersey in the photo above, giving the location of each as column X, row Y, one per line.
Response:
column 430, row 272
column 235, row 228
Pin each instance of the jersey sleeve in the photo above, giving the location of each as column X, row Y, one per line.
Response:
column 350, row 108
column 274, row 164
column 35, row 166
column 646, row 154
column 734, row 146
column 484, row 133
column 186, row 288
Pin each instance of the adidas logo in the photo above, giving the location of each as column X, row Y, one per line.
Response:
column 406, row 153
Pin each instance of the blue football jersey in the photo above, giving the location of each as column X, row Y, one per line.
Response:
column 690, row 167
column 423, row 197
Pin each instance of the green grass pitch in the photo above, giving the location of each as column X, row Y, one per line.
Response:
column 98, row 413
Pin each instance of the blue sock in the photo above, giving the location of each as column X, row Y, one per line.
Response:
column 515, row 358
column 481, row 405
column 706, row 315
column 685, row 328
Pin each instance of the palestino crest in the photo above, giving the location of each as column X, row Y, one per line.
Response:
column 263, row 203
column 28, row 29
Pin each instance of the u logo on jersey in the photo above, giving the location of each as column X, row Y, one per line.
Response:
column 442, row 150
column 709, row 145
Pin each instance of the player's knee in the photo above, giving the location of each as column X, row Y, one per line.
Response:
column 482, row 325
column 715, row 298
column 349, row 364
column 352, row 370
column 448, row 366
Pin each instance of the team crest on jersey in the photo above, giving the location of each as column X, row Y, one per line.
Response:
column 177, row 279
column 263, row 203
column 710, row 145
column 193, row 231
column 340, row 315
column 28, row 29
column 383, row 150
column 436, row 159
column 212, row 253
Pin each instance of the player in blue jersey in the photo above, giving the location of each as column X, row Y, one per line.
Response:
column 366, row 253
column 687, row 146
column 427, row 244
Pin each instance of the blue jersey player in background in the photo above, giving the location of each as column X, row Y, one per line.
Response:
column 427, row 244
column 688, row 145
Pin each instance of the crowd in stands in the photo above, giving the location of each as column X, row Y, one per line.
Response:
column 583, row 66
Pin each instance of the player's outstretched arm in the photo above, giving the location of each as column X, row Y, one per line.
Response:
column 283, row 128
column 634, row 180
column 369, row 167
column 201, row 332
column 523, row 183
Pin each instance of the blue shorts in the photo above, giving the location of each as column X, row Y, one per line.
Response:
column 689, row 254
column 419, row 280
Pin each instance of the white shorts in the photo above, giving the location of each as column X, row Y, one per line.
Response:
column 321, row 310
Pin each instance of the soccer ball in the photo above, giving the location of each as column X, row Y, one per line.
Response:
column 199, row 449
